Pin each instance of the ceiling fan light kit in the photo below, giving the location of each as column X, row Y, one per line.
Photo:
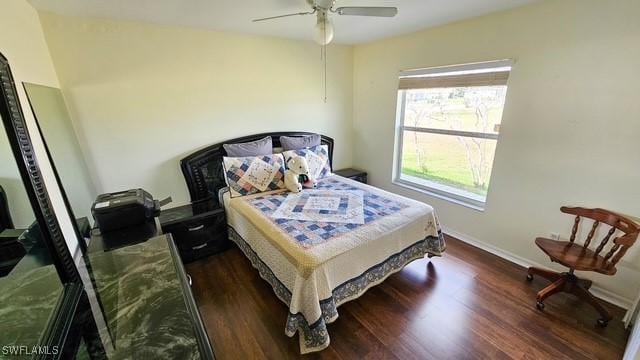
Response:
column 324, row 30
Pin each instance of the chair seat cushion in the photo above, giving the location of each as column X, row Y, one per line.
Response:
column 574, row 256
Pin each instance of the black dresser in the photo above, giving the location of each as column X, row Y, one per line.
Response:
column 199, row 229
column 136, row 274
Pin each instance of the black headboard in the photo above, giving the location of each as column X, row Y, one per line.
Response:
column 203, row 169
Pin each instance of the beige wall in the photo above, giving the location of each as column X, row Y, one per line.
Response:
column 144, row 96
column 19, row 205
column 571, row 125
column 22, row 43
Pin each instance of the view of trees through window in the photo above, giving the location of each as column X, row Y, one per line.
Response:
column 450, row 135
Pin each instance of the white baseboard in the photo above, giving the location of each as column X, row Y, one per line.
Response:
column 598, row 292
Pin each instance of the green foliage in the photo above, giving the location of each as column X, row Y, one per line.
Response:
column 460, row 161
column 452, row 172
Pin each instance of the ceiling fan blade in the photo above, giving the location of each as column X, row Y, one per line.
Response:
column 367, row 11
column 286, row 15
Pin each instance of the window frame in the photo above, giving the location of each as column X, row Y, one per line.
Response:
column 432, row 188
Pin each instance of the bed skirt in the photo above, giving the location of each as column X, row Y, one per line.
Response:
column 314, row 336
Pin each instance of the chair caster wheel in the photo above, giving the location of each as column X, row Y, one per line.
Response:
column 603, row 322
column 540, row 305
column 529, row 277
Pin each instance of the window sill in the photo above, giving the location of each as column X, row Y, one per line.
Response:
column 440, row 193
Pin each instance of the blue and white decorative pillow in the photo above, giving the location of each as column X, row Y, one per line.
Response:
column 317, row 158
column 254, row 174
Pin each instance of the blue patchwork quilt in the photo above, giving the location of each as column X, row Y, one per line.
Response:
column 335, row 207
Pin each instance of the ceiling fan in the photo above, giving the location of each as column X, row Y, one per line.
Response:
column 322, row 9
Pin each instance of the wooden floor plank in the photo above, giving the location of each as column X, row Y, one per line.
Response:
column 468, row 304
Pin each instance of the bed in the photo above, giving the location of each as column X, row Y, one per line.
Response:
column 321, row 247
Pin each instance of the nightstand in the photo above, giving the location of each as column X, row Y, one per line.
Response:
column 199, row 229
column 353, row 174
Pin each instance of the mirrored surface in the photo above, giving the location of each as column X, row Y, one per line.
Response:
column 58, row 132
column 29, row 284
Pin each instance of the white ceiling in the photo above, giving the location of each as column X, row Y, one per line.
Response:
column 235, row 16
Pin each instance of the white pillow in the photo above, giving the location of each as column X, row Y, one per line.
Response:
column 317, row 158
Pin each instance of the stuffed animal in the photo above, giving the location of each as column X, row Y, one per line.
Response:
column 297, row 174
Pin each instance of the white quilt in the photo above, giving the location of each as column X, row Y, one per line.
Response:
column 323, row 247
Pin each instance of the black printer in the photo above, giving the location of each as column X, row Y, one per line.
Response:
column 124, row 209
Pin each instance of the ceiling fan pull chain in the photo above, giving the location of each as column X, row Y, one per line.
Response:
column 322, row 35
column 322, row 62
column 324, row 50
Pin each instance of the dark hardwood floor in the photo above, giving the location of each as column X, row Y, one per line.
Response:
column 468, row 304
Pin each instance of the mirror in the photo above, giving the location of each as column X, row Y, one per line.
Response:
column 48, row 106
column 51, row 114
column 30, row 287
column 43, row 305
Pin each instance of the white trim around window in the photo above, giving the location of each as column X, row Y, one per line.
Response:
column 479, row 74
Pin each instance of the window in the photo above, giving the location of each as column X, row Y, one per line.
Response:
column 448, row 125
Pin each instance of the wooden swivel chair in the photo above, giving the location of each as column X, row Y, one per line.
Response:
column 583, row 258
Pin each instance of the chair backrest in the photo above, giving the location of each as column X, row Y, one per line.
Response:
column 620, row 244
column 5, row 215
